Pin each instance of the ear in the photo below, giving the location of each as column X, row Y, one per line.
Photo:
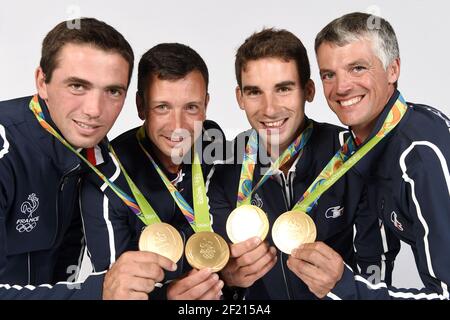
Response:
column 239, row 98
column 140, row 104
column 41, row 85
column 393, row 71
column 310, row 90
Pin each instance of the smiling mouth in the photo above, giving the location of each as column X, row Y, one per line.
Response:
column 174, row 139
column 274, row 124
column 350, row 102
column 86, row 126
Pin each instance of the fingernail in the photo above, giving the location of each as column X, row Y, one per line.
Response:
column 174, row 266
column 221, row 284
column 215, row 277
column 257, row 241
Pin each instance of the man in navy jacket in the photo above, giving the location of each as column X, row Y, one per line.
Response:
column 82, row 82
column 406, row 174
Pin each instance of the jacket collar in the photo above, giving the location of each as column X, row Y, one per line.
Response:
column 299, row 166
column 364, row 166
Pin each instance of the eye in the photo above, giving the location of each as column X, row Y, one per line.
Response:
column 358, row 69
column 115, row 92
column 252, row 92
column 284, row 89
column 161, row 108
column 327, row 76
column 77, row 87
column 192, row 108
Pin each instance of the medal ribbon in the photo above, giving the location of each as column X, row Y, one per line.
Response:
column 245, row 190
column 346, row 158
column 200, row 219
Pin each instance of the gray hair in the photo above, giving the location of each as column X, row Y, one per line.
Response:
column 358, row 26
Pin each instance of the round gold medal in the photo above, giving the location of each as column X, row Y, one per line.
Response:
column 292, row 229
column 163, row 239
column 207, row 250
column 245, row 222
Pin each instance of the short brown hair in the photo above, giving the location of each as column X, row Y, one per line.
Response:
column 169, row 61
column 91, row 31
column 272, row 43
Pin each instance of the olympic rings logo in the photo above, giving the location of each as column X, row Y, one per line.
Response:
column 25, row 227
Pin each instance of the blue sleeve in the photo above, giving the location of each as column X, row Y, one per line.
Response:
column 90, row 289
column 426, row 190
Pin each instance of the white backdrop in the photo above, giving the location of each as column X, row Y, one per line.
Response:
column 215, row 29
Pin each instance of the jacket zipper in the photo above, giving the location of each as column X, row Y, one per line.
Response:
column 62, row 182
column 285, row 193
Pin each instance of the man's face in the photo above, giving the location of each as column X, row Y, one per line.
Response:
column 355, row 83
column 174, row 113
column 274, row 100
column 86, row 92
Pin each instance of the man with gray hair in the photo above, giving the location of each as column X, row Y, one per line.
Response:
column 406, row 171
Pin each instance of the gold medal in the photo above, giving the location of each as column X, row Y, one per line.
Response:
column 292, row 229
column 207, row 249
column 245, row 222
column 163, row 239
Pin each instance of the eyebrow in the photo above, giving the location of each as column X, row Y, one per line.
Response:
column 79, row 81
column 358, row 62
column 325, row 71
column 117, row 87
column 351, row 64
column 250, row 88
column 287, row 83
column 167, row 102
column 90, row 85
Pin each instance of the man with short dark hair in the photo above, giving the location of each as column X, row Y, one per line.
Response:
column 172, row 98
column 406, row 172
column 273, row 75
column 47, row 142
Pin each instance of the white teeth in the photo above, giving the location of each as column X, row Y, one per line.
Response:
column 84, row 126
column 175, row 139
column 350, row 102
column 274, row 124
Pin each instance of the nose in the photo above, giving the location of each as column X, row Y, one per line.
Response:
column 343, row 83
column 269, row 105
column 176, row 119
column 93, row 106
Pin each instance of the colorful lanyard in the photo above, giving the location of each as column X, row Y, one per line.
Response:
column 198, row 219
column 346, row 158
column 245, row 190
column 35, row 107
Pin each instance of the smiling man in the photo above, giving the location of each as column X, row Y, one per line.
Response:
column 172, row 98
column 81, row 84
column 273, row 76
column 406, row 173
